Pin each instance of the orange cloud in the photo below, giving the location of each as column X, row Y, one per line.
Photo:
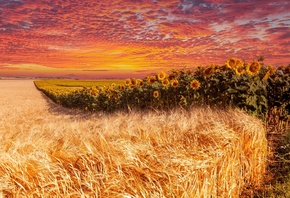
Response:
column 138, row 37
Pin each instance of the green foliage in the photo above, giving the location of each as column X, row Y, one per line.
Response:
column 280, row 168
column 254, row 87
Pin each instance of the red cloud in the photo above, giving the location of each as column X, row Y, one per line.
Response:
column 142, row 35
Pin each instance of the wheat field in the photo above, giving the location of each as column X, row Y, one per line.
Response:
column 50, row 151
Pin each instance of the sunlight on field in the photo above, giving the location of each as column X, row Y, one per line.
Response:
column 84, row 83
column 67, row 86
column 50, row 151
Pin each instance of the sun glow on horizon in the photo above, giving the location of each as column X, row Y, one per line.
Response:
column 65, row 38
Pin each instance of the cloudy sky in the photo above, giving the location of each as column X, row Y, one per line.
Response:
column 117, row 38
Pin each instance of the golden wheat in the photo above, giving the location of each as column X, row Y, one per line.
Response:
column 49, row 151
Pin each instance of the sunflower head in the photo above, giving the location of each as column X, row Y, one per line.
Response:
column 94, row 93
column 128, row 82
column 151, row 80
column 195, row 84
column 162, row 75
column 208, row 71
column 140, row 82
column 216, row 68
column 253, row 68
column 239, row 71
column 183, row 100
column 122, row 87
column 155, row 94
column 133, row 81
column 174, row 83
column 165, row 82
column 231, row 63
column 105, row 88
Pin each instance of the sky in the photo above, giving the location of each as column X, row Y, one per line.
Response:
column 123, row 38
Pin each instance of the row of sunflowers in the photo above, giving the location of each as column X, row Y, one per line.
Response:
column 252, row 86
column 54, row 88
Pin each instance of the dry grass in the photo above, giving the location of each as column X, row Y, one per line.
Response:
column 47, row 151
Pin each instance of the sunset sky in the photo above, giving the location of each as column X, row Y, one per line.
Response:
column 120, row 38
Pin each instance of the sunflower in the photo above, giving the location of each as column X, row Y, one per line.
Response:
column 231, row 63
column 195, row 84
column 128, row 82
column 174, row 83
column 151, row 80
column 133, row 81
column 139, row 82
column 162, row 75
column 239, row 63
column 216, row 68
column 208, row 71
column 253, row 68
column 94, row 93
column 172, row 76
column 105, row 88
column 239, row 70
column 165, row 82
column 155, row 94
column 122, row 87
column 183, row 100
